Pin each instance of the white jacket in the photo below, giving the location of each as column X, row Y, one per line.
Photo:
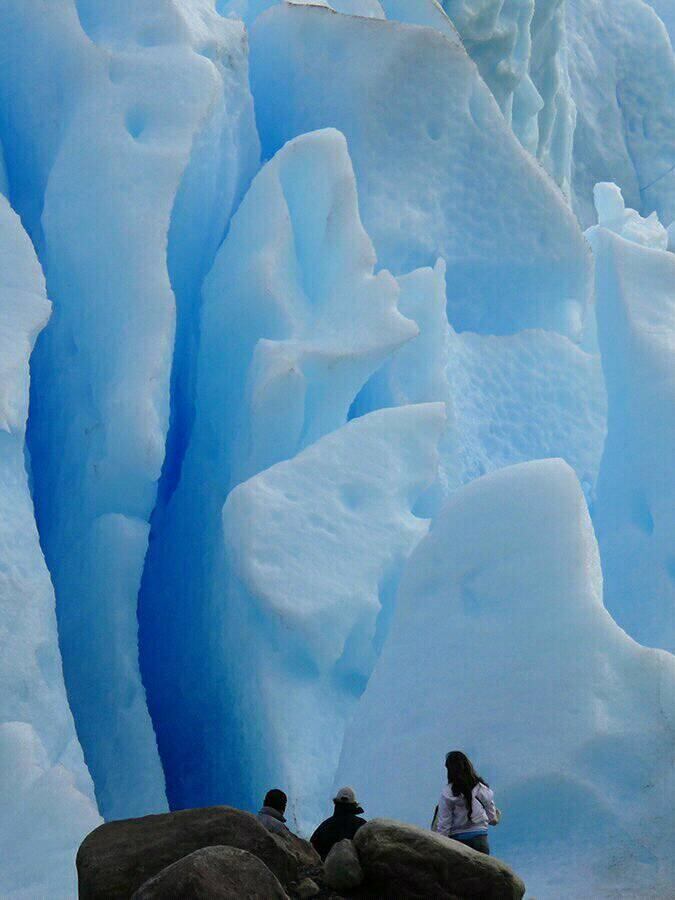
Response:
column 452, row 813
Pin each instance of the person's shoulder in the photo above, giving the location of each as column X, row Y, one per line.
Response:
column 484, row 790
column 322, row 827
column 447, row 792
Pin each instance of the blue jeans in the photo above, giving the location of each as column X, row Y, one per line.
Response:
column 478, row 842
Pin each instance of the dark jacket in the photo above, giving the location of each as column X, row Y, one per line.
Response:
column 344, row 823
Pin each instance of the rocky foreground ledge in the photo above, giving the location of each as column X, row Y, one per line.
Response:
column 220, row 852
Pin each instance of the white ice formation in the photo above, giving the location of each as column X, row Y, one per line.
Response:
column 500, row 645
column 315, row 269
column 635, row 510
column 46, row 796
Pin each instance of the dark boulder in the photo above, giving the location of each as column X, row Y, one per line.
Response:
column 342, row 869
column 419, row 864
column 118, row 857
column 302, row 851
column 214, row 873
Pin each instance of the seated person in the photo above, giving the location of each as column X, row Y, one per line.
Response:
column 271, row 814
column 344, row 823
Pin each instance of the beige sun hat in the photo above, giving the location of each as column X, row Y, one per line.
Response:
column 347, row 797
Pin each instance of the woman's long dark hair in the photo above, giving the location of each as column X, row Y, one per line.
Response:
column 462, row 777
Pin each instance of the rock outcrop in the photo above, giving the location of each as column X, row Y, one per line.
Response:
column 342, row 869
column 118, row 857
column 214, row 873
column 220, row 852
column 416, row 863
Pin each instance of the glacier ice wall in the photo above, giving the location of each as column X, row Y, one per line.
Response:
column 527, row 266
column 104, row 184
column 622, row 72
column 509, row 398
column 310, row 616
column 42, row 773
column 294, row 321
column 635, row 510
column 520, row 49
column 513, row 657
column 263, row 378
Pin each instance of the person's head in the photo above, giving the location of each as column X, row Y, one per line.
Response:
column 462, row 777
column 277, row 800
column 345, row 801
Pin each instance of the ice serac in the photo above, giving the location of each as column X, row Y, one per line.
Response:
column 434, row 159
column 616, row 217
column 46, row 796
column 519, row 47
column 294, row 321
column 665, row 10
column 500, row 622
column 509, row 398
column 315, row 544
column 126, row 187
column 634, row 515
column 622, row 70
column 524, row 396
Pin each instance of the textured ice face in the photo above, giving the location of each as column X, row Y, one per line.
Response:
column 315, row 545
column 434, row 159
column 519, row 48
column 613, row 215
column 532, row 395
column 500, row 646
column 622, row 70
column 509, row 398
column 46, row 795
column 222, row 375
column 295, row 321
column 126, row 188
column 635, row 511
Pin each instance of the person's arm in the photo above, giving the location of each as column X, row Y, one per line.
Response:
column 444, row 820
column 317, row 841
column 487, row 799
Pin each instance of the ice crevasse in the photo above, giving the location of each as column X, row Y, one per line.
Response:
column 46, row 795
column 359, row 368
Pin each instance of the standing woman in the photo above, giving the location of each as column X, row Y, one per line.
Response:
column 467, row 805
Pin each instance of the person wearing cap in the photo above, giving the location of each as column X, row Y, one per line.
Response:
column 272, row 812
column 344, row 823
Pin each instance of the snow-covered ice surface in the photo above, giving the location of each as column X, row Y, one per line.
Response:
column 46, row 795
column 316, row 268
column 500, row 645
column 434, row 159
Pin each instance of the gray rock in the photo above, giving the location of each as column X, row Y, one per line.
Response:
column 419, row 864
column 214, row 873
column 118, row 857
column 342, row 869
column 306, row 889
column 302, row 851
